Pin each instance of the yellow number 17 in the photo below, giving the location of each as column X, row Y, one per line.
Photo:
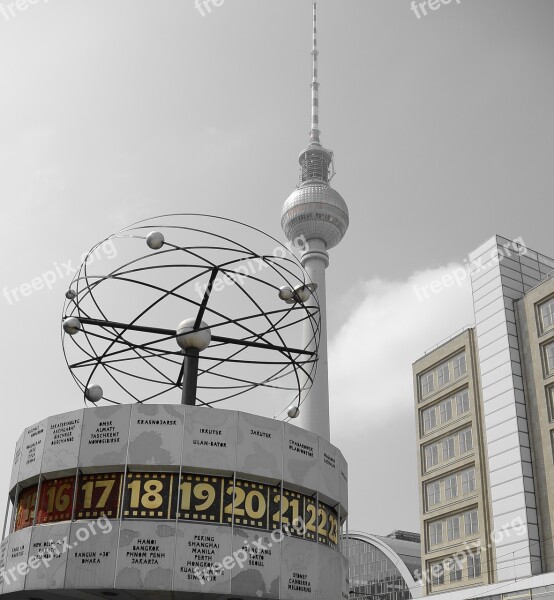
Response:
column 90, row 486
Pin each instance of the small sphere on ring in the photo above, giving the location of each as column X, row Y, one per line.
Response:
column 155, row 240
column 72, row 325
column 302, row 292
column 94, row 393
column 285, row 292
column 187, row 337
column 293, row 412
column 71, row 294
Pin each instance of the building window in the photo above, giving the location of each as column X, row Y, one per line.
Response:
column 455, row 568
column 431, row 455
column 462, row 402
column 429, row 419
column 448, row 448
column 466, row 441
column 427, row 383
column 550, row 358
column 453, row 526
column 433, row 493
column 451, row 487
column 474, row 565
column 460, row 367
column 435, row 533
column 547, row 314
column 446, row 410
column 468, row 481
column 443, row 374
column 550, row 399
column 471, row 522
column 437, row 574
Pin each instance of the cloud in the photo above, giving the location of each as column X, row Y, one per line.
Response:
column 372, row 404
column 372, row 354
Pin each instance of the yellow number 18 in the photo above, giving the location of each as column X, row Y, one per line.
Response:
column 151, row 498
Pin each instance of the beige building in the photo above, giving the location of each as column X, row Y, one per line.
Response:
column 485, row 416
column 452, row 481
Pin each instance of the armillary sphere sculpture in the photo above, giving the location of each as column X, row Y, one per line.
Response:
column 187, row 306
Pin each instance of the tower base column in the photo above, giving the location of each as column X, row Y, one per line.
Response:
column 314, row 412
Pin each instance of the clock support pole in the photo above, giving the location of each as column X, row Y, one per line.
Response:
column 190, row 376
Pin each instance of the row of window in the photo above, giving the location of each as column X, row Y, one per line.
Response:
column 453, row 569
column 378, row 561
column 459, row 402
column 357, row 590
column 372, row 568
column 451, row 528
column 450, row 486
column 449, row 447
column 441, row 375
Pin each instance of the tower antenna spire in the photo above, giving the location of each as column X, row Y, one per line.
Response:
column 314, row 132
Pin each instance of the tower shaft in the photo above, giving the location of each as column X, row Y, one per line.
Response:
column 314, row 413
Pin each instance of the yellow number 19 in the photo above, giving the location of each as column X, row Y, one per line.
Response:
column 201, row 491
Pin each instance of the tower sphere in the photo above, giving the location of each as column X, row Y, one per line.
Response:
column 316, row 211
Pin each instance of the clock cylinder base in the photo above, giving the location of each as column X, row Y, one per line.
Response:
column 167, row 500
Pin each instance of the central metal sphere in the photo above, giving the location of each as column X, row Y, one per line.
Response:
column 188, row 337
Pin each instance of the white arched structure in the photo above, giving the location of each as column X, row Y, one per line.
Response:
column 414, row 585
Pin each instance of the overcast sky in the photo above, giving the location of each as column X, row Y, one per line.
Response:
column 116, row 110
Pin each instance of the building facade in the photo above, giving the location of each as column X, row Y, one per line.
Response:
column 452, row 480
column 535, row 317
column 484, row 406
column 383, row 567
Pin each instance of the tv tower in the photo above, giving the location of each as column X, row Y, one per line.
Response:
column 318, row 213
